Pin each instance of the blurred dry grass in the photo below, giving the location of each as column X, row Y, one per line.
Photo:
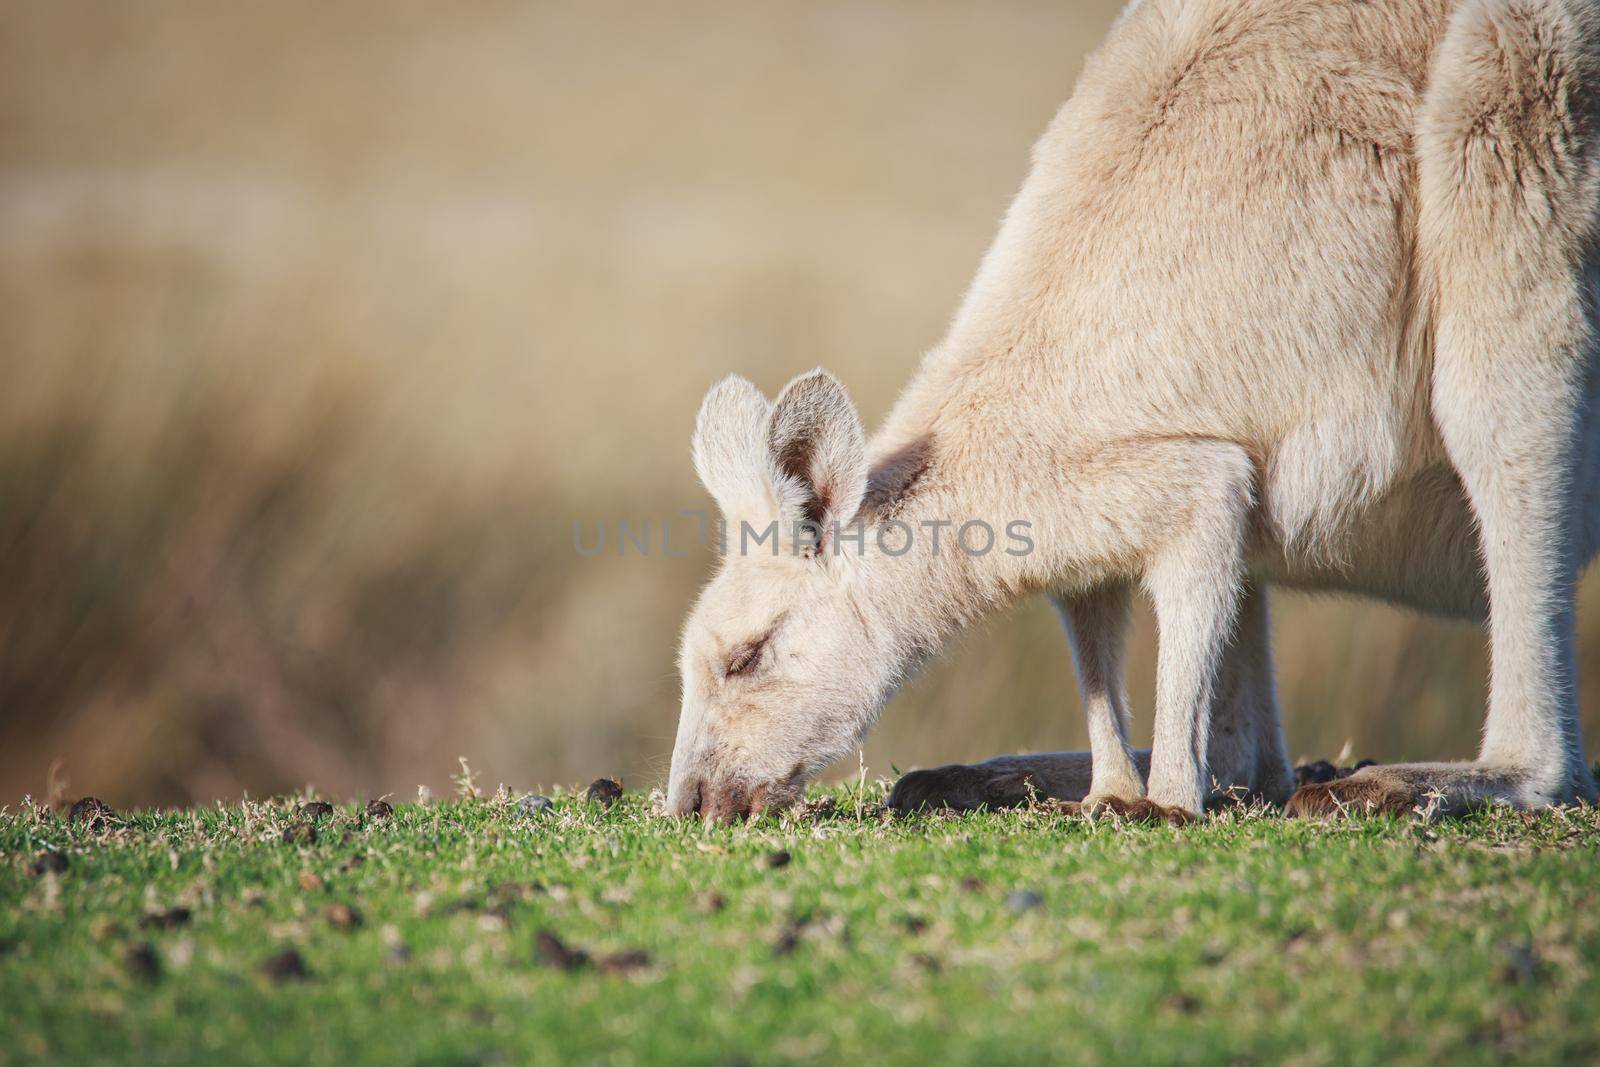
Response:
column 322, row 323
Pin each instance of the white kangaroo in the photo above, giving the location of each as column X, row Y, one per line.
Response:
column 1296, row 292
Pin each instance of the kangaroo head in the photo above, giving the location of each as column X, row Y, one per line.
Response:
column 781, row 663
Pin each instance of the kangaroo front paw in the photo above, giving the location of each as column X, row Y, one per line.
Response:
column 1363, row 793
column 1137, row 809
column 960, row 786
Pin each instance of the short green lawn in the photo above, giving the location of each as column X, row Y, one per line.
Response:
column 468, row 932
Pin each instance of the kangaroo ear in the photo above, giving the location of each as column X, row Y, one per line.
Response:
column 818, row 453
column 730, row 449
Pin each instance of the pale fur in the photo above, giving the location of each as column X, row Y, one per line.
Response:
column 1296, row 292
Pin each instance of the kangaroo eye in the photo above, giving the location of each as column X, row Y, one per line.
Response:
column 745, row 657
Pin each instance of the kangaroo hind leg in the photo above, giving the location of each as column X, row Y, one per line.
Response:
column 1509, row 184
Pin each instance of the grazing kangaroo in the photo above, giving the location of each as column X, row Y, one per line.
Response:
column 1297, row 292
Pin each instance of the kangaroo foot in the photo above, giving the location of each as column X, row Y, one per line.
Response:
column 1137, row 809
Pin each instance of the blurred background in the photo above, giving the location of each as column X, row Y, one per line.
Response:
column 321, row 324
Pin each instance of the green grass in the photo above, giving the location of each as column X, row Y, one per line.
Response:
column 1246, row 939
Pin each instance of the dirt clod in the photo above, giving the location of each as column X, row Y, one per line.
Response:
column 604, row 791
column 315, row 809
column 779, row 859
column 554, row 952
column 51, row 862
column 342, row 917
column 1519, row 965
column 286, row 966
column 1181, row 1003
column 533, row 804
column 91, row 811
column 1021, row 900
column 310, row 881
column 379, row 809
column 788, row 940
column 300, row 833
column 712, row 902
column 971, row 884
column 169, row 919
column 625, row 963
column 142, row 962
column 808, row 924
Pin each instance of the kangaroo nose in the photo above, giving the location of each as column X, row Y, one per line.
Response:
column 690, row 799
column 725, row 801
